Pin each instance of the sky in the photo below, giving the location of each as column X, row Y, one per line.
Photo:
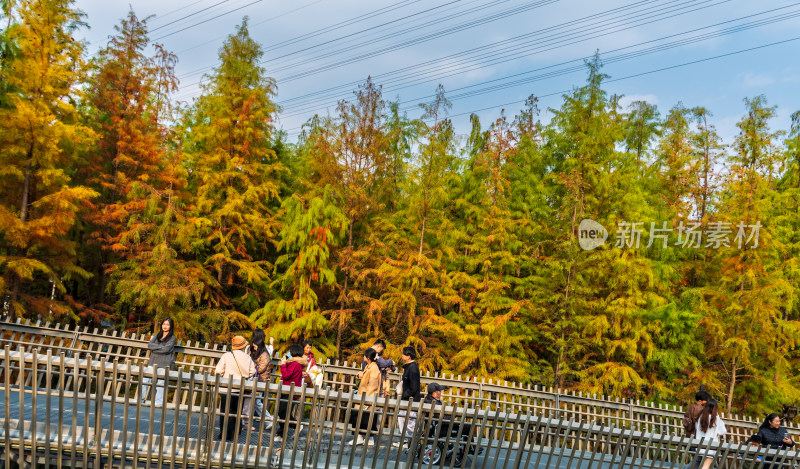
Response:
column 489, row 55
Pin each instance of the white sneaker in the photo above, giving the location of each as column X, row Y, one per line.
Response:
column 278, row 439
column 371, row 442
column 359, row 440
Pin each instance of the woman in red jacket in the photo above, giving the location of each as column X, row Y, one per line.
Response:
column 291, row 373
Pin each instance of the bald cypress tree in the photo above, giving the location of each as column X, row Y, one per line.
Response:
column 748, row 332
column 40, row 142
column 234, row 177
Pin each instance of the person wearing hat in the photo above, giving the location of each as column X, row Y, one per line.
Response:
column 434, row 397
column 234, row 364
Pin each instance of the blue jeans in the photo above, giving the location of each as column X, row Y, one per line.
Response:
column 260, row 410
column 159, row 399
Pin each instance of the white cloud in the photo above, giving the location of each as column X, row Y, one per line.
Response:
column 755, row 80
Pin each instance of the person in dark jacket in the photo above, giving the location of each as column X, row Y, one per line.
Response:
column 411, row 384
column 410, row 390
column 161, row 346
column 434, row 396
column 774, row 436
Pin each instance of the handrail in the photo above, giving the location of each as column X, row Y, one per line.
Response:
column 51, row 431
column 479, row 393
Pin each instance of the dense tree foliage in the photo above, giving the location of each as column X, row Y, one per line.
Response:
column 119, row 207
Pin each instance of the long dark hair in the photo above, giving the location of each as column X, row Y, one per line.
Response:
column 257, row 346
column 708, row 416
column 769, row 419
column 161, row 337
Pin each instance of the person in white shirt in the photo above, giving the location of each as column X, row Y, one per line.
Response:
column 234, row 364
column 709, row 426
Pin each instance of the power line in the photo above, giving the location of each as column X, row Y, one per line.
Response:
column 294, row 10
column 635, row 75
column 435, row 62
column 626, row 56
column 206, row 21
column 420, row 39
column 320, row 31
column 483, row 6
column 498, row 57
column 190, row 15
column 294, row 130
column 617, row 58
column 162, row 16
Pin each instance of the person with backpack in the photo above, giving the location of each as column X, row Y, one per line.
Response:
column 261, row 354
column 162, row 347
column 689, row 422
column 693, row 412
column 234, row 364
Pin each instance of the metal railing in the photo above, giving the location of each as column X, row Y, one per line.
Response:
column 60, row 411
column 503, row 397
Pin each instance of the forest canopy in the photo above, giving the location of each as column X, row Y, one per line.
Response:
column 619, row 250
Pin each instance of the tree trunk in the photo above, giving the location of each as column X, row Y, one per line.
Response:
column 23, row 216
column 421, row 237
column 558, row 379
column 340, row 329
column 23, row 210
column 732, row 385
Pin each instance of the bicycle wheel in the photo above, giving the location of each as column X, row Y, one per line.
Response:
column 432, row 454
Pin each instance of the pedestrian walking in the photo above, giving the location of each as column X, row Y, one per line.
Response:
column 370, row 385
column 409, row 390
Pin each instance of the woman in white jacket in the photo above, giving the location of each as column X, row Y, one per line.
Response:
column 709, row 426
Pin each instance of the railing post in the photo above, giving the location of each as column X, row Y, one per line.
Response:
column 630, row 414
column 557, row 413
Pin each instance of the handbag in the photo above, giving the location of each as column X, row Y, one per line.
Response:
column 307, row 380
column 247, row 380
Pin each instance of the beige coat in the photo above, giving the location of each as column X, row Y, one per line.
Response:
column 235, row 364
column 370, row 381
